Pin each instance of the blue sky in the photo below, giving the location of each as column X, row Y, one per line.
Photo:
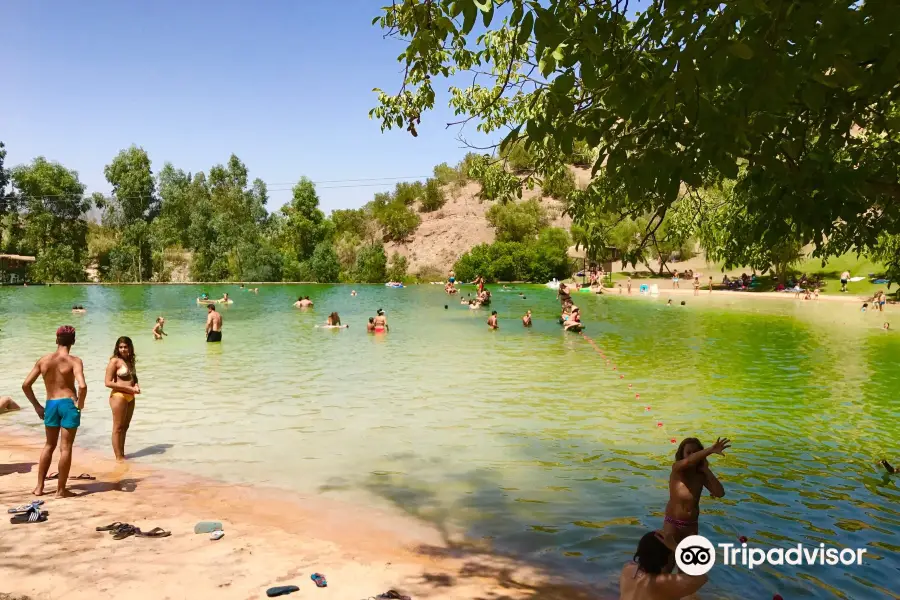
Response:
column 285, row 85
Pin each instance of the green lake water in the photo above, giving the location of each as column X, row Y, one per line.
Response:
column 526, row 437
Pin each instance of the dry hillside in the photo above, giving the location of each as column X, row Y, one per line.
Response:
column 446, row 234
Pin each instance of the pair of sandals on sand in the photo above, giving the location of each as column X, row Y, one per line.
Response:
column 28, row 513
column 120, row 531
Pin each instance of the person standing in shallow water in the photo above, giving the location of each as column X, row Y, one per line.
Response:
column 690, row 474
column 61, row 372
column 213, row 324
column 526, row 320
column 492, row 321
column 121, row 378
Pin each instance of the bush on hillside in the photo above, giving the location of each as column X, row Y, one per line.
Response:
column 583, row 155
column 397, row 220
column 408, row 192
column 497, row 184
column 353, row 221
column 397, row 269
column 559, row 185
column 517, row 221
column 536, row 261
column 431, row 273
column 432, row 197
column 370, row 264
column 517, row 157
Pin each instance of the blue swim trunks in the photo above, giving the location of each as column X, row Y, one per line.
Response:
column 62, row 412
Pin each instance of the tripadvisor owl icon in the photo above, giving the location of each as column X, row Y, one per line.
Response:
column 695, row 555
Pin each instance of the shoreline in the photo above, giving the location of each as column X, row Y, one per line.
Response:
column 849, row 297
column 272, row 537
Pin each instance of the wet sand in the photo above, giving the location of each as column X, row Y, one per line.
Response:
column 272, row 537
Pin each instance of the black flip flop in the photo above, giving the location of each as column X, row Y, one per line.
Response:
column 112, row 526
column 29, row 517
column 393, row 595
column 156, row 532
column 51, row 477
column 85, row 476
column 281, row 590
column 124, row 532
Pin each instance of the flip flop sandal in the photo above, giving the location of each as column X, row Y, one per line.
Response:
column 85, row 476
column 124, row 532
column 393, row 595
column 32, row 516
column 319, row 579
column 156, row 532
column 51, row 477
column 281, row 590
column 112, row 526
column 25, row 507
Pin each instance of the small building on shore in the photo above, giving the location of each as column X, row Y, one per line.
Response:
column 14, row 268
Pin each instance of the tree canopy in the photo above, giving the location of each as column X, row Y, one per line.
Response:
column 796, row 101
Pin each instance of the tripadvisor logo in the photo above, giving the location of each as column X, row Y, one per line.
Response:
column 696, row 555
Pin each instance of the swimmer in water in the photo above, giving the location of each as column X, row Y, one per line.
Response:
column 649, row 575
column 158, row 332
column 864, row 307
column 526, row 320
column 352, row 292
column 574, row 320
column 333, row 320
column 669, row 303
column 886, row 326
column 492, row 321
column 7, row 404
column 303, row 302
column 381, row 324
column 690, row 474
column 370, row 326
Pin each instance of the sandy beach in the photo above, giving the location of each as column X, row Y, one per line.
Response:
column 272, row 537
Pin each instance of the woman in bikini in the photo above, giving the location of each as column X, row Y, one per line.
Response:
column 333, row 320
column 380, row 323
column 690, row 474
column 158, row 332
column 122, row 379
column 649, row 576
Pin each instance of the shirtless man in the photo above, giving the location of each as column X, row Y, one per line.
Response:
column 213, row 324
column 526, row 320
column 492, row 321
column 61, row 372
column 628, row 283
column 690, row 474
column 649, row 576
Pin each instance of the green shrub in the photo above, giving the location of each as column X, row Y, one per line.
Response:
column 583, row 155
column 397, row 220
column 397, row 269
column 536, row 260
column 408, row 192
column 517, row 221
column 433, row 196
column 496, row 183
column 559, row 185
column 353, row 221
column 447, row 175
column 431, row 273
column 370, row 264
column 325, row 264
column 518, row 157
column 294, row 270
